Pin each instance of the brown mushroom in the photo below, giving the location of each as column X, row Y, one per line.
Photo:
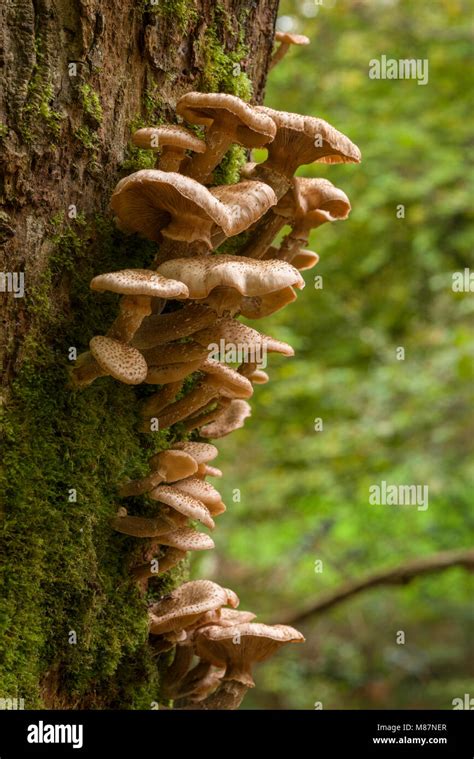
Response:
column 286, row 40
column 114, row 358
column 185, row 605
column 228, row 120
column 172, row 142
column 183, row 503
column 167, row 466
column 157, row 329
column 231, row 419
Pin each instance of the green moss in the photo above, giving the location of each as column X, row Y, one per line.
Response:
column 3, row 130
column 60, row 557
column 37, row 114
column 91, row 103
column 183, row 13
column 88, row 138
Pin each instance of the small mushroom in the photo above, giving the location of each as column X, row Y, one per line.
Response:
column 158, row 401
column 260, row 306
column 116, row 359
column 183, row 503
column 286, row 40
column 231, row 419
column 167, row 466
column 228, row 120
column 158, row 328
column 172, row 142
column 156, row 567
column 201, row 490
column 146, row 527
column 201, row 452
column 221, row 380
column 240, row 646
column 228, row 331
column 187, row 539
column 185, row 605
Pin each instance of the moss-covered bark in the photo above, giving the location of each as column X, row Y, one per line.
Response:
column 80, row 77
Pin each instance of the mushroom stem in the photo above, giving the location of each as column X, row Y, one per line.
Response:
column 133, row 309
column 266, row 231
column 228, row 696
column 192, row 402
column 169, row 160
column 86, row 370
column 158, row 328
column 160, row 400
column 201, row 166
column 201, row 419
column 279, row 54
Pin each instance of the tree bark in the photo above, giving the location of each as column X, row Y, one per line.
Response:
column 79, row 77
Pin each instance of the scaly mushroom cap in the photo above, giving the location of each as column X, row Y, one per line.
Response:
column 246, row 202
column 151, row 202
column 248, row 126
column 183, row 503
column 229, row 382
column 232, row 418
column 250, row 277
column 239, row 646
column 119, row 360
column 304, row 139
column 185, row 605
column 201, row 452
column 187, row 539
column 292, row 39
column 168, row 136
column 139, row 282
column 200, row 489
column 234, row 332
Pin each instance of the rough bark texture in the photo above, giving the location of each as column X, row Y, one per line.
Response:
column 79, row 76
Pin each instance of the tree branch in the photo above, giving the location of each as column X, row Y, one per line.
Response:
column 395, row 576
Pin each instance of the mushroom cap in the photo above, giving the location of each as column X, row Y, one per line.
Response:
column 232, row 418
column 304, row 259
column 184, row 503
column 168, row 373
column 201, row 452
column 173, row 465
column 170, row 136
column 204, row 470
column 292, row 39
column 121, row 361
column 264, row 305
column 234, row 332
column 151, row 201
column 314, row 194
column 259, row 377
column 200, row 489
column 248, row 276
column 187, row 539
column 246, row 202
column 246, row 124
column 256, row 642
column 158, row 328
column 185, row 605
column 139, row 282
column 174, row 353
column 297, row 141
column 230, row 383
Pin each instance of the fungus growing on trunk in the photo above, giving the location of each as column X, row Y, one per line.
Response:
column 116, row 359
column 286, row 40
column 228, row 120
column 186, row 604
column 183, row 503
column 171, row 141
column 232, row 418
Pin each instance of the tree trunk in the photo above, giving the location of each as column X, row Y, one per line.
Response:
column 79, row 77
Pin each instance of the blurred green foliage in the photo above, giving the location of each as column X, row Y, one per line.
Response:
column 304, row 494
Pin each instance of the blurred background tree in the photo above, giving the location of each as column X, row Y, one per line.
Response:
column 387, row 283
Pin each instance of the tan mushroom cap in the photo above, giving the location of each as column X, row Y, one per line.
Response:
column 292, row 39
column 229, row 382
column 204, row 470
column 244, row 121
column 143, row 527
column 259, row 377
column 239, row 646
column 140, row 282
column 234, row 332
column 246, row 202
column 264, row 305
column 173, row 465
column 168, row 373
column 158, row 328
column 121, row 361
column 168, row 136
column 200, row 489
column 250, row 277
column 187, row 539
column 306, row 139
column 174, row 353
column 185, row 605
column 314, row 195
column 202, row 453
column 304, row 259
column 155, row 202
column 232, row 418
column 183, row 503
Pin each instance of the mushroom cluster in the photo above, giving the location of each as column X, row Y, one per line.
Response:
column 172, row 318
